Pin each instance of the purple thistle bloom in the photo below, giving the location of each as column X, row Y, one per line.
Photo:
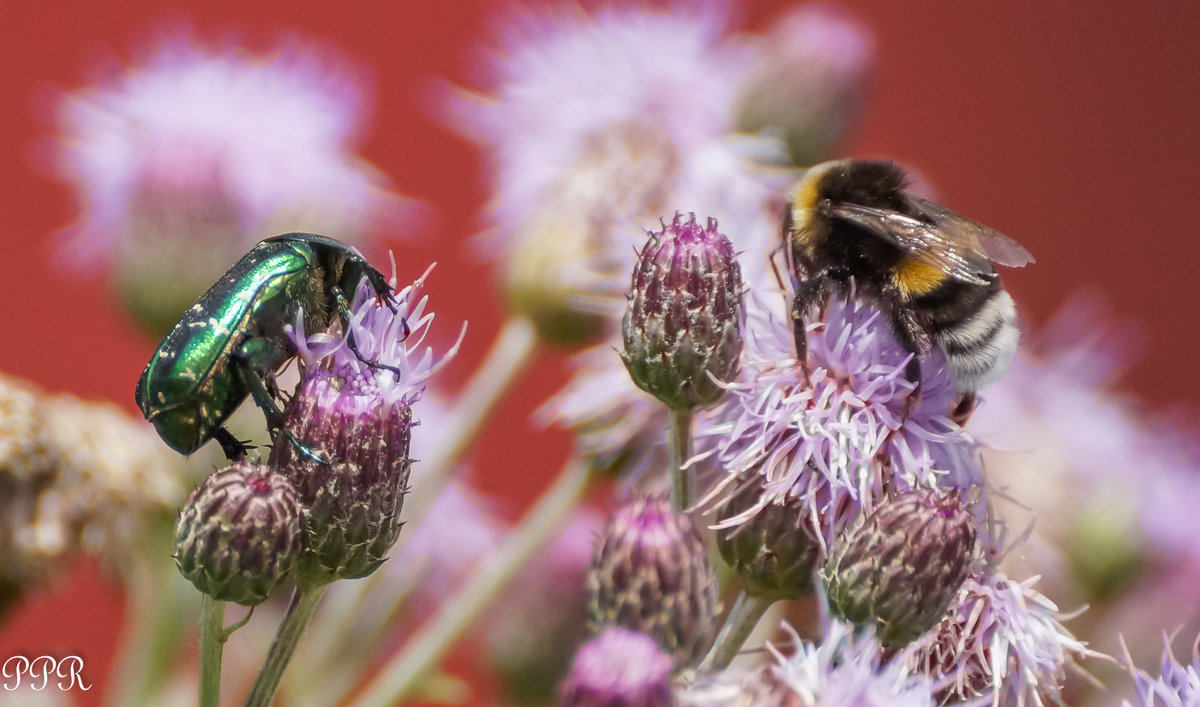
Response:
column 360, row 418
column 255, row 135
column 619, row 668
column 391, row 338
column 834, row 436
column 1176, row 686
column 1003, row 641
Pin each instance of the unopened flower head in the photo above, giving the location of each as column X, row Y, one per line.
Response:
column 359, row 417
column 776, row 551
column 650, row 572
column 185, row 160
column 238, row 535
column 899, row 569
column 1176, row 685
column 832, row 437
column 1003, row 641
column 682, row 328
column 810, row 81
column 619, row 668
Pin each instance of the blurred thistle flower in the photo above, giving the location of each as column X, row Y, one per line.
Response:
column 76, row 477
column 618, row 430
column 540, row 621
column 810, row 81
column 898, row 570
column 600, row 126
column 846, row 669
column 238, row 534
column 184, row 161
column 1177, row 685
column 843, row 669
column 832, row 437
column 682, row 328
column 460, row 530
column 360, row 419
column 1003, row 642
column 650, row 572
column 619, row 668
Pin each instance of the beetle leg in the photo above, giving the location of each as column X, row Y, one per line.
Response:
column 275, row 420
column 233, row 447
column 343, row 307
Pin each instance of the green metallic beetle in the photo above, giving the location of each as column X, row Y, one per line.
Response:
column 230, row 344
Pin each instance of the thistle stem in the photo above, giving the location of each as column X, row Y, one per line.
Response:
column 212, row 645
column 421, row 655
column 151, row 635
column 679, row 441
column 304, row 602
column 743, row 617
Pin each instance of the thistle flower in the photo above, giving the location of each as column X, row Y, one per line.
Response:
column 650, row 573
column 901, row 567
column 1003, row 641
column 75, row 477
column 238, row 535
column 577, row 171
column 810, row 81
column 1176, row 686
column 829, row 439
column 185, row 160
column 360, row 419
column 619, row 668
column 843, row 669
column 682, row 329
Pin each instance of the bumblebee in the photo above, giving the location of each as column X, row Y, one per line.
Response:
column 927, row 268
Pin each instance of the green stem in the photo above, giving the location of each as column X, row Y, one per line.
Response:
column 304, row 602
column 212, row 644
column 152, row 633
column 511, row 353
column 679, row 441
column 738, row 626
column 421, row 655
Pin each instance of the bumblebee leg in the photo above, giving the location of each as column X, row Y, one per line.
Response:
column 913, row 333
column 808, row 291
column 233, row 447
column 275, row 421
column 963, row 409
column 343, row 307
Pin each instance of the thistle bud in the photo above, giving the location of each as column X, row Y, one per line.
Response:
column 352, row 504
column 903, row 565
column 774, row 551
column 650, row 573
column 619, row 668
column 238, row 535
column 682, row 328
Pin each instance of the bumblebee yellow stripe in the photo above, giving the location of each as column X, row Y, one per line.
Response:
column 915, row 278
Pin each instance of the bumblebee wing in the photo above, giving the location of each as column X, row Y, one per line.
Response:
column 998, row 247
column 948, row 246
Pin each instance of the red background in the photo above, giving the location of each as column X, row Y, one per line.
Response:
column 1071, row 127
